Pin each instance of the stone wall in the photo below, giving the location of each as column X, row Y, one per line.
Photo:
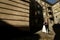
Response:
column 15, row 12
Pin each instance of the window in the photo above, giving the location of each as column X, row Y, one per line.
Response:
column 50, row 13
column 51, row 18
column 49, row 8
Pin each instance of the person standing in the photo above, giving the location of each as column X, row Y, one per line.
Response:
column 56, row 28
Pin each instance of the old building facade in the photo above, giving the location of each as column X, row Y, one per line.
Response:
column 14, row 12
column 56, row 12
column 47, row 13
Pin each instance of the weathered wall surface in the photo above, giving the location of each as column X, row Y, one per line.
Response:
column 15, row 12
column 56, row 11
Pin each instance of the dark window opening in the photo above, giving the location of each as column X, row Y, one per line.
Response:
column 56, row 16
column 50, row 13
column 49, row 8
column 51, row 18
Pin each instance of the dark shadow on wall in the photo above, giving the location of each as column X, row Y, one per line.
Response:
column 18, row 2
column 14, row 5
column 25, row 1
column 9, row 32
column 36, row 21
column 14, row 14
column 36, row 16
column 13, row 10
column 15, row 20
